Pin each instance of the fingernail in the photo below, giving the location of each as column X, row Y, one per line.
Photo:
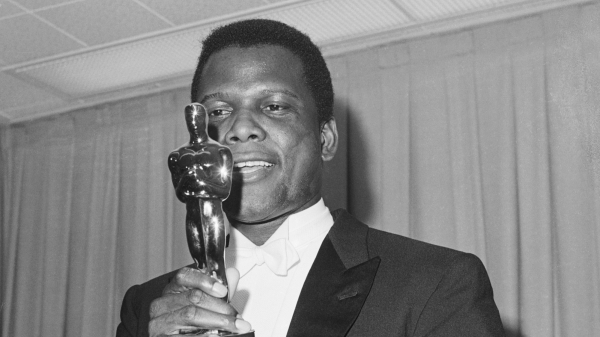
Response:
column 219, row 289
column 242, row 325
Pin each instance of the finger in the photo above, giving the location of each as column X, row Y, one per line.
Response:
column 233, row 276
column 200, row 317
column 218, row 305
column 172, row 302
column 168, row 303
column 173, row 288
column 191, row 317
column 188, row 278
column 175, row 285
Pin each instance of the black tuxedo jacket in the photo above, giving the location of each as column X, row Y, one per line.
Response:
column 365, row 282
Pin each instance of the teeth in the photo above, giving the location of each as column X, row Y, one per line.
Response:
column 252, row 164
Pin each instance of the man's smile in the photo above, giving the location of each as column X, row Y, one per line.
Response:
column 251, row 170
column 261, row 107
column 250, row 166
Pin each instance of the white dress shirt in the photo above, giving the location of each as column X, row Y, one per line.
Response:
column 266, row 295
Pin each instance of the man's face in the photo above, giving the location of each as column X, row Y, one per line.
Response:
column 260, row 107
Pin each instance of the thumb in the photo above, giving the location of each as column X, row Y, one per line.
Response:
column 233, row 276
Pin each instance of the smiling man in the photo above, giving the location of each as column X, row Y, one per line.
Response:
column 260, row 106
column 303, row 270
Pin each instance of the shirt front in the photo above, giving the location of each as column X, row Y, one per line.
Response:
column 268, row 300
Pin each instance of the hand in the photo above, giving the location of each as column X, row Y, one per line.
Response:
column 194, row 300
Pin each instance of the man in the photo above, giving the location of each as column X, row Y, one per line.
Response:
column 304, row 271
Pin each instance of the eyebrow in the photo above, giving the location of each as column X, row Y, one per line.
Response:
column 218, row 94
column 283, row 91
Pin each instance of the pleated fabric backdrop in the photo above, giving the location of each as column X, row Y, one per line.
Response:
column 486, row 140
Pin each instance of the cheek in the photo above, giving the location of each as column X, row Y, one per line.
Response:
column 217, row 130
column 303, row 158
column 298, row 143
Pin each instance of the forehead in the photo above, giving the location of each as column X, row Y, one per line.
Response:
column 256, row 63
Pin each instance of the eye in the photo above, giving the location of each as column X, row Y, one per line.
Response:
column 218, row 113
column 276, row 108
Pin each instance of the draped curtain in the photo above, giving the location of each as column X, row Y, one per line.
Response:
column 88, row 212
column 485, row 140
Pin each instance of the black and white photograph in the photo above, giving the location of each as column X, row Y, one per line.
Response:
column 270, row 168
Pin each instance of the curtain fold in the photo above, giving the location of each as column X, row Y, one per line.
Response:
column 574, row 202
column 485, row 140
column 500, row 157
column 89, row 212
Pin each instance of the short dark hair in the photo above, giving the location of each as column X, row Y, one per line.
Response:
column 257, row 32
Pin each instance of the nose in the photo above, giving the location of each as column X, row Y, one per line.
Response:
column 245, row 127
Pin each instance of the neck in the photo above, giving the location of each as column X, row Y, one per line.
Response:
column 259, row 233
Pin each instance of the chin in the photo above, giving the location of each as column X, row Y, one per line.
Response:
column 254, row 208
column 248, row 217
column 248, row 204
column 254, row 213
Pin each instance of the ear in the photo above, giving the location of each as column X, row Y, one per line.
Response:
column 329, row 139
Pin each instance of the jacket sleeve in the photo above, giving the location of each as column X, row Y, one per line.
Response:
column 129, row 314
column 462, row 303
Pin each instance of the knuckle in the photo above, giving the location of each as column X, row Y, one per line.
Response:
column 231, row 311
column 155, row 308
column 196, row 296
column 189, row 313
column 181, row 275
column 153, row 327
column 225, row 321
column 156, row 328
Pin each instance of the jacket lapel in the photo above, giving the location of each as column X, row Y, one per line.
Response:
column 338, row 282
